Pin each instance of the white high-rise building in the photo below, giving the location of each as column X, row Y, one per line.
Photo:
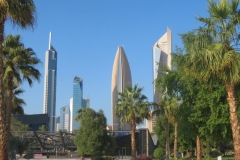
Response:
column 162, row 50
column 71, row 114
column 50, row 79
column 65, row 118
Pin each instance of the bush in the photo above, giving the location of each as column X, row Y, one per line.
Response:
column 144, row 157
column 158, row 153
column 103, row 158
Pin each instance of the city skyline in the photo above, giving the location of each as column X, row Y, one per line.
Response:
column 50, row 82
column 88, row 40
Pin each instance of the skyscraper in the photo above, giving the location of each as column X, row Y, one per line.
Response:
column 57, row 123
column 76, row 102
column 50, row 78
column 121, row 78
column 86, row 103
column 161, row 55
column 65, row 118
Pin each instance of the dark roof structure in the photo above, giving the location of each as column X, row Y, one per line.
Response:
column 34, row 121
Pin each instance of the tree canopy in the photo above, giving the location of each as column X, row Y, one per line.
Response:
column 92, row 138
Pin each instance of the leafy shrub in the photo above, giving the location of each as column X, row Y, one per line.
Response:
column 103, row 158
column 144, row 157
column 158, row 152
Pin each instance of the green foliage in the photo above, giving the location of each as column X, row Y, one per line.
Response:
column 18, row 146
column 103, row 158
column 158, row 152
column 17, row 126
column 92, row 138
column 42, row 128
column 203, row 109
column 160, row 131
column 132, row 105
column 144, row 157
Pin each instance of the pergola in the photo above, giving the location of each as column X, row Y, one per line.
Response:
column 48, row 140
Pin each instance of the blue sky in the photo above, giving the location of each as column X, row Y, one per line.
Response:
column 86, row 34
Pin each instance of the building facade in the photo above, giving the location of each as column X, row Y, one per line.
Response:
column 57, row 123
column 50, row 78
column 34, row 121
column 86, row 103
column 76, row 102
column 150, row 123
column 161, row 56
column 121, row 78
column 65, row 118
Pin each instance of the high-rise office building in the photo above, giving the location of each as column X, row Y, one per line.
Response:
column 86, row 103
column 50, row 78
column 121, row 78
column 71, row 114
column 76, row 102
column 57, row 123
column 161, row 55
column 65, row 118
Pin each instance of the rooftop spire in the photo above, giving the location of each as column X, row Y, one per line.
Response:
column 50, row 40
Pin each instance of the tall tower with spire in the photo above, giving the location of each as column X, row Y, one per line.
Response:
column 50, row 79
column 121, row 78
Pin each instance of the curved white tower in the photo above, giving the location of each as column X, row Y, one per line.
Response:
column 121, row 77
column 161, row 55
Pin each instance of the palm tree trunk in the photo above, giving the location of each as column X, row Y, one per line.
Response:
column 199, row 155
column 3, row 126
column 133, row 129
column 175, row 140
column 234, row 120
column 9, row 110
column 167, row 140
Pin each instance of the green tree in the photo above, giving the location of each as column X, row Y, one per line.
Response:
column 17, row 126
column 42, row 128
column 23, row 14
column 19, row 64
column 132, row 107
column 80, row 113
column 17, row 144
column 167, row 108
column 168, row 84
column 197, row 115
column 160, row 131
column 17, row 103
column 92, row 138
column 214, row 53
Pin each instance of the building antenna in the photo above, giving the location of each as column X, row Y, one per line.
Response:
column 50, row 40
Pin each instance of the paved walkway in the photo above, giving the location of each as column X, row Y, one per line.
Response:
column 45, row 158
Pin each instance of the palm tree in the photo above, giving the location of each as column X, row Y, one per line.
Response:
column 132, row 107
column 23, row 14
column 17, row 103
column 167, row 108
column 214, row 54
column 19, row 64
